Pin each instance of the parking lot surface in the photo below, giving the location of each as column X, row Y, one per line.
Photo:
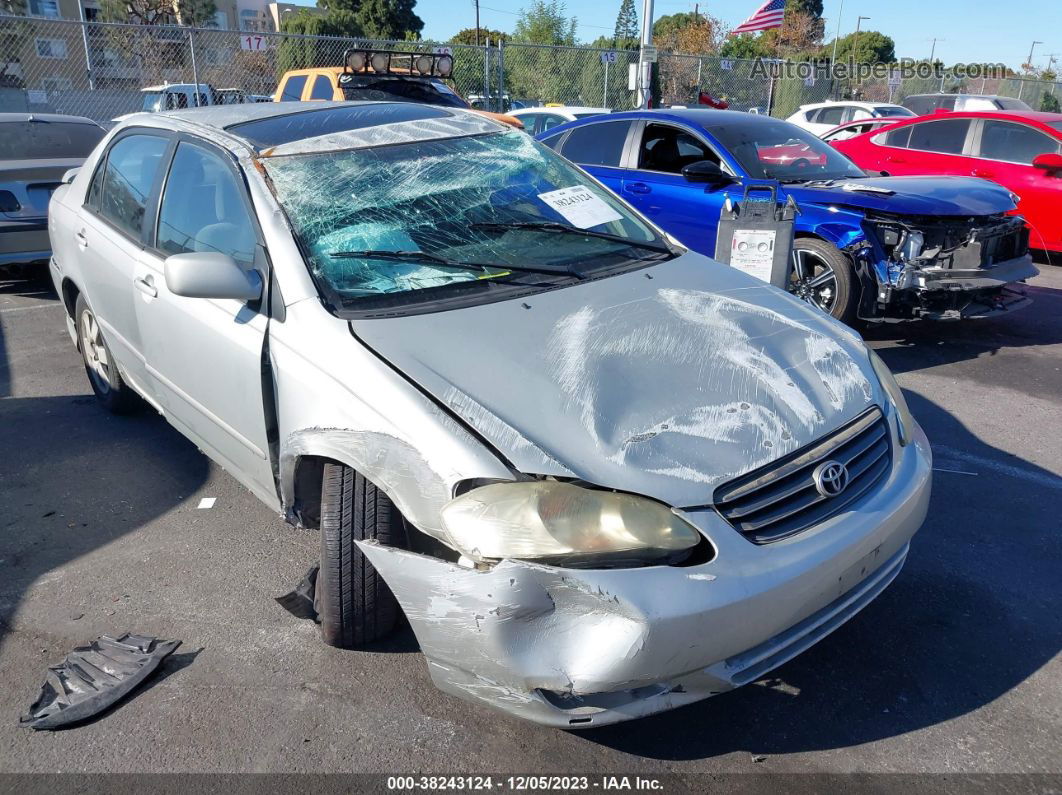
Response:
column 954, row 668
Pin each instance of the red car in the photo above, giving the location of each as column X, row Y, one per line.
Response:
column 1021, row 150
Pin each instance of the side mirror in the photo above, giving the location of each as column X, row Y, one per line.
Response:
column 68, row 177
column 706, row 171
column 207, row 274
column 1049, row 162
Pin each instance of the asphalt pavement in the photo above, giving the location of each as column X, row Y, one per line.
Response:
column 955, row 668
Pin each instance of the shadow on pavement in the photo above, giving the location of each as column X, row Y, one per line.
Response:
column 923, row 344
column 972, row 615
column 36, row 286
column 69, row 487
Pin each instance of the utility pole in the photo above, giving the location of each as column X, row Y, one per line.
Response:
column 1028, row 63
column 837, row 33
column 645, row 67
column 476, row 2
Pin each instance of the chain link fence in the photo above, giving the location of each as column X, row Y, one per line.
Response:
column 99, row 70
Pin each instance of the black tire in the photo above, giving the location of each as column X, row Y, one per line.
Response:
column 838, row 298
column 111, row 391
column 354, row 604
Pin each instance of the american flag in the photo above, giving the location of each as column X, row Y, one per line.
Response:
column 767, row 16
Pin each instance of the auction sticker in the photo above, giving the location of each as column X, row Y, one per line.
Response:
column 752, row 251
column 580, row 206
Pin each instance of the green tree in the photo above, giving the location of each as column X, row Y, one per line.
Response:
column 196, row 13
column 867, row 46
column 139, row 12
column 747, row 45
column 1049, row 103
column 296, row 53
column 669, row 25
column 468, row 36
column 810, row 8
column 627, row 35
column 545, row 22
column 388, row 19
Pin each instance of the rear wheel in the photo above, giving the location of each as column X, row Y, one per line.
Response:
column 111, row 391
column 823, row 276
column 354, row 603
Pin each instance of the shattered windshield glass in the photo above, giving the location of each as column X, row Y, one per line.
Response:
column 451, row 212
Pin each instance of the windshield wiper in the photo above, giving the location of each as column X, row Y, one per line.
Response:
column 553, row 226
column 434, row 259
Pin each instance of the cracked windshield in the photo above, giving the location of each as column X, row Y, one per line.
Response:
column 437, row 213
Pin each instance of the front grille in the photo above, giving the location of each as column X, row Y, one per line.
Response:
column 781, row 499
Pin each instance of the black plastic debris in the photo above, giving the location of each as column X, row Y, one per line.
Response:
column 94, row 677
column 302, row 602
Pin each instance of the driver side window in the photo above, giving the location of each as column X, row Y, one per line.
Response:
column 668, row 149
column 202, row 208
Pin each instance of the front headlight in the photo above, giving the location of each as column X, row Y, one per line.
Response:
column 553, row 520
column 904, row 419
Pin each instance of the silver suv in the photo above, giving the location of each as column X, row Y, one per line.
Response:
column 602, row 476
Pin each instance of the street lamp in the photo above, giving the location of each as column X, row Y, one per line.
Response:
column 933, row 50
column 1028, row 63
column 858, row 21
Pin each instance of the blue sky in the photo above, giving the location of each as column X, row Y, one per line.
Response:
column 973, row 30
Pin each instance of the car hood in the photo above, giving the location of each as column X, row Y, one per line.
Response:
column 911, row 195
column 665, row 381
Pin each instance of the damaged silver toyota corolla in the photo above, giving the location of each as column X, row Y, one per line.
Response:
column 602, row 476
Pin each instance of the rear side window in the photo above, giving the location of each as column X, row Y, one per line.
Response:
column 597, row 144
column 899, row 138
column 1004, row 140
column 202, row 208
column 946, row 136
column 833, row 115
column 322, row 88
column 552, row 120
column 132, row 164
column 292, row 91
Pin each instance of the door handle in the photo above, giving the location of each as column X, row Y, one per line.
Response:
column 146, row 285
column 980, row 172
column 82, row 241
column 895, row 159
column 637, row 187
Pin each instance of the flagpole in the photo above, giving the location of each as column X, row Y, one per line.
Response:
column 837, row 35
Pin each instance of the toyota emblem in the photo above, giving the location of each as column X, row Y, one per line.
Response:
column 831, row 478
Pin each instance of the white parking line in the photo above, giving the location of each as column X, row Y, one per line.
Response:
column 24, row 308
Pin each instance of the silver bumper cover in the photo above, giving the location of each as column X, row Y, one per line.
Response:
column 579, row 648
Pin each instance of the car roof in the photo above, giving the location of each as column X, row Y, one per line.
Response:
column 396, row 123
column 861, row 103
column 701, row 116
column 314, row 70
column 46, row 117
column 564, row 109
column 1036, row 116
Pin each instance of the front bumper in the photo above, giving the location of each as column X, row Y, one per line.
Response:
column 579, row 648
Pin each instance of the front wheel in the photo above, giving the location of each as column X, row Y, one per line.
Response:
column 823, row 276
column 355, row 605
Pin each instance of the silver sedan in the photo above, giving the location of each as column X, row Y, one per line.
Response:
column 601, row 475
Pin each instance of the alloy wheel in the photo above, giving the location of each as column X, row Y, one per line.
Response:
column 813, row 280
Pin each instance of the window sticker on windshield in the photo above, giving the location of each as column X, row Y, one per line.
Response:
column 580, row 206
column 752, row 251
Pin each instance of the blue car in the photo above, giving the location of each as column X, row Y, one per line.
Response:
column 866, row 247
